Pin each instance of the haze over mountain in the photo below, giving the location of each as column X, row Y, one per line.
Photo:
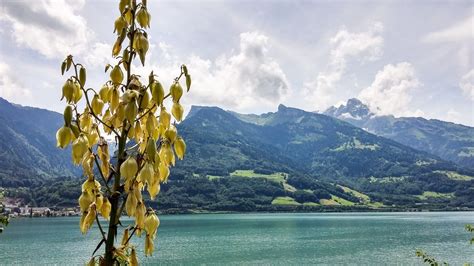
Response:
column 450, row 141
column 274, row 161
column 28, row 153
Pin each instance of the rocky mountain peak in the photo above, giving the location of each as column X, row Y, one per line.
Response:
column 353, row 109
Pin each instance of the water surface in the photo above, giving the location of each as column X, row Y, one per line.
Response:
column 319, row 238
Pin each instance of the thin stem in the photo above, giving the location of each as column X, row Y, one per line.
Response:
column 119, row 213
column 91, row 89
column 180, row 75
column 88, row 102
column 151, row 108
column 148, row 111
column 112, row 173
column 100, row 227
column 97, row 248
column 133, row 232
column 109, row 246
column 95, row 116
column 100, row 171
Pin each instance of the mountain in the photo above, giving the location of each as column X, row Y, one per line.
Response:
column 285, row 160
column 28, row 153
column 452, row 142
column 315, row 152
column 315, row 144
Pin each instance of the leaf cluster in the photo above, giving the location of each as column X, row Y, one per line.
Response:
column 125, row 109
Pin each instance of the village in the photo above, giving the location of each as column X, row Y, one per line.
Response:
column 14, row 208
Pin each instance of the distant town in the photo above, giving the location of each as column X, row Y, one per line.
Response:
column 15, row 208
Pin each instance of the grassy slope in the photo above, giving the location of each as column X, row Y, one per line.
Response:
column 281, row 178
column 437, row 195
column 277, row 177
column 455, row 176
column 284, row 201
column 363, row 198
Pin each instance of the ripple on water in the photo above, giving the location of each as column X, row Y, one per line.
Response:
column 235, row 239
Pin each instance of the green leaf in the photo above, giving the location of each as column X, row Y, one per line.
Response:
column 142, row 56
column 151, row 78
column 188, row 82
column 82, row 76
column 185, row 70
column 68, row 62
column 63, row 67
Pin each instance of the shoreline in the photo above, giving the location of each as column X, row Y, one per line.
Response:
column 332, row 211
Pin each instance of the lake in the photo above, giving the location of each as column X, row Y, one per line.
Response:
column 282, row 238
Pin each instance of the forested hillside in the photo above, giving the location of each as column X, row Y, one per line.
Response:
column 285, row 160
column 450, row 141
column 28, row 153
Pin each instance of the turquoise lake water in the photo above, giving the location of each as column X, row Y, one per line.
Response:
column 283, row 239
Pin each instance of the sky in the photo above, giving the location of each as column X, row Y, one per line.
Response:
column 406, row 58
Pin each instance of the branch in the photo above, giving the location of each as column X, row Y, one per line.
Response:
column 100, row 171
column 119, row 213
column 148, row 111
column 112, row 173
column 151, row 108
column 95, row 116
column 180, row 75
column 101, row 230
column 129, row 237
column 88, row 102
column 98, row 246
column 91, row 89
column 90, row 150
column 78, row 116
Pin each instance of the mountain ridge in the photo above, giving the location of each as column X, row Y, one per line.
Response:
column 28, row 147
column 448, row 140
column 289, row 158
column 284, row 116
column 317, row 147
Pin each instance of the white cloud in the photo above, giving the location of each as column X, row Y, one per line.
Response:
column 454, row 42
column 461, row 31
column 391, row 90
column 467, row 84
column 11, row 87
column 247, row 80
column 367, row 45
column 362, row 46
column 165, row 48
column 99, row 55
column 51, row 27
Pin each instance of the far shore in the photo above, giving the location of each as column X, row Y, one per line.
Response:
column 327, row 210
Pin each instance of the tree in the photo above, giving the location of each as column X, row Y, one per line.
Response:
column 429, row 260
column 3, row 218
column 133, row 114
